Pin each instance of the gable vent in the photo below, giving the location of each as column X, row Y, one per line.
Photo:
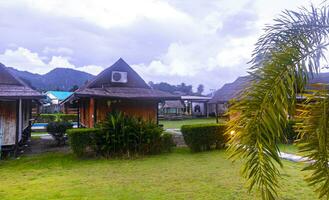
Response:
column 119, row 77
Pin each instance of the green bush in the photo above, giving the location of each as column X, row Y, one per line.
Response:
column 67, row 117
column 167, row 142
column 126, row 135
column 121, row 135
column 47, row 118
column 58, row 130
column 81, row 139
column 202, row 137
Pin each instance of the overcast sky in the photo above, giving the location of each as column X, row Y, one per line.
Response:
column 191, row 41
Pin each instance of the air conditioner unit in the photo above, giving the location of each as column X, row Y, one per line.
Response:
column 119, row 77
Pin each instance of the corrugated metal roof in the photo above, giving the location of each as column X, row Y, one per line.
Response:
column 60, row 95
column 14, row 88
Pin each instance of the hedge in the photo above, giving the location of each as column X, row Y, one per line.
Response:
column 121, row 135
column 203, row 137
column 81, row 138
column 47, row 118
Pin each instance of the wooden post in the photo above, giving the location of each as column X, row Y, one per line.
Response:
column 157, row 114
column 19, row 125
column 217, row 113
column 78, row 113
column 91, row 113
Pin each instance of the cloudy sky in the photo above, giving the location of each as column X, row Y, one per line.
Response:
column 191, row 41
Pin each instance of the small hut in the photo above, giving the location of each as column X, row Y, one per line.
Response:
column 219, row 103
column 117, row 88
column 171, row 110
column 16, row 102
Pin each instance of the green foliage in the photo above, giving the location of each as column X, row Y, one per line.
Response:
column 121, row 135
column 284, row 58
column 58, row 130
column 58, row 127
column 314, row 143
column 201, row 137
column 167, row 142
column 47, row 118
column 126, row 135
column 81, row 138
column 289, row 133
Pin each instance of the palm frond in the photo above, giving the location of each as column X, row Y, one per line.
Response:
column 284, row 58
column 314, row 133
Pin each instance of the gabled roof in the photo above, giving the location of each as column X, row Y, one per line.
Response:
column 173, row 104
column 231, row 90
column 12, row 87
column 134, row 88
column 60, row 95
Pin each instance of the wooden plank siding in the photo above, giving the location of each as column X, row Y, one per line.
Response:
column 97, row 109
column 9, row 119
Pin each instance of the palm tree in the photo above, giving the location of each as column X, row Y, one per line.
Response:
column 289, row 53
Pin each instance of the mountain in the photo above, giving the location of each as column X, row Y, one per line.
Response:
column 232, row 90
column 57, row 79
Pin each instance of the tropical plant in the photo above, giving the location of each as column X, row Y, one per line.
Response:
column 289, row 53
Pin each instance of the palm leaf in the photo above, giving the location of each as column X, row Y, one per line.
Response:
column 284, row 58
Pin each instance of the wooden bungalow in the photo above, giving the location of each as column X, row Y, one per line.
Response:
column 16, row 102
column 220, row 101
column 117, row 88
column 171, row 110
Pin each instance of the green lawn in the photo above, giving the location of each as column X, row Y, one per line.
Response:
column 178, row 175
column 179, row 123
column 288, row 148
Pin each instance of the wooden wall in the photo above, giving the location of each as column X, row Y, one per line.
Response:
column 139, row 108
column 8, row 119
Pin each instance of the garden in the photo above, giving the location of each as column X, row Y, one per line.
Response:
column 116, row 161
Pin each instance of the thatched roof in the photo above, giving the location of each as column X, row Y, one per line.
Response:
column 230, row 90
column 134, row 88
column 12, row 87
column 173, row 104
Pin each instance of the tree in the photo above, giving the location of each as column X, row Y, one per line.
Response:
column 200, row 89
column 285, row 58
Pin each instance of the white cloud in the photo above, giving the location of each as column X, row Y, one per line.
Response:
column 107, row 13
column 194, row 41
column 92, row 69
column 59, row 50
column 26, row 60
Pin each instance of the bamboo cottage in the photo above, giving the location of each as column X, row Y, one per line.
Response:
column 16, row 101
column 117, row 88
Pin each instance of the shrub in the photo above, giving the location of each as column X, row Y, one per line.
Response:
column 167, row 142
column 58, row 130
column 121, row 135
column 202, row 137
column 81, row 139
column 67, row 117
column 47, row 118
column 126, row 135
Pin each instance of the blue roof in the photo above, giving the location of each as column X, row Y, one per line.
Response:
column 60, row 95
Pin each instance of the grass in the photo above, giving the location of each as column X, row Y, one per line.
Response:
column 177, row 124
column 289, row 148
column 179, row 175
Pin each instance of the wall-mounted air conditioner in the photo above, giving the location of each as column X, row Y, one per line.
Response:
column 119, row 77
